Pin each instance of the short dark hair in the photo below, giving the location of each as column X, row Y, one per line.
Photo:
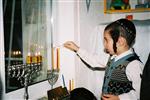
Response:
column 82, row 94
column 124, row 28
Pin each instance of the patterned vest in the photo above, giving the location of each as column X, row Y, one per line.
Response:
column 115, row 80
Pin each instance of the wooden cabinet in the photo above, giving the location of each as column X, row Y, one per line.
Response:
column 120, row 7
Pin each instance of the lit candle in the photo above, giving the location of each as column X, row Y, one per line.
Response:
column 58, row 58
column 29, row 58
column 39, row 57
column 35, row 58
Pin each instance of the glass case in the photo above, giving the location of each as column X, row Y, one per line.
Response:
column 27, row 41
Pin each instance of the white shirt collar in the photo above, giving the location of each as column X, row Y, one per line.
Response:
column 130, row 51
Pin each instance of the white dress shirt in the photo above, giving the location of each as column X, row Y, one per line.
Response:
column 133, row 71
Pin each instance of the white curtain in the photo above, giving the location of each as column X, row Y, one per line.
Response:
column 142, row 44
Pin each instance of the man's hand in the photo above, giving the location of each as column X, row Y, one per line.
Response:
column 110, row 97
column 71, row 46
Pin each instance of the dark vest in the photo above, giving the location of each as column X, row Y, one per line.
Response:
column 115, row 80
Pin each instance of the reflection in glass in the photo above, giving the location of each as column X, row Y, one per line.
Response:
column 27, row 38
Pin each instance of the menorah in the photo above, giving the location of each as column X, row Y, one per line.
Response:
column 25, row 73
column 52, row 76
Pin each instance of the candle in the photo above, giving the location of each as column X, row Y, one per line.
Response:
column 58, row 58
column 52, row 58
column 72, row 86
column 69, row 85
column 29, row 59
column 63, row 80
column 39, row 58
column 35, row 58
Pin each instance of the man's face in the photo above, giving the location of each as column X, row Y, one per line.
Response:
column 108, row 43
